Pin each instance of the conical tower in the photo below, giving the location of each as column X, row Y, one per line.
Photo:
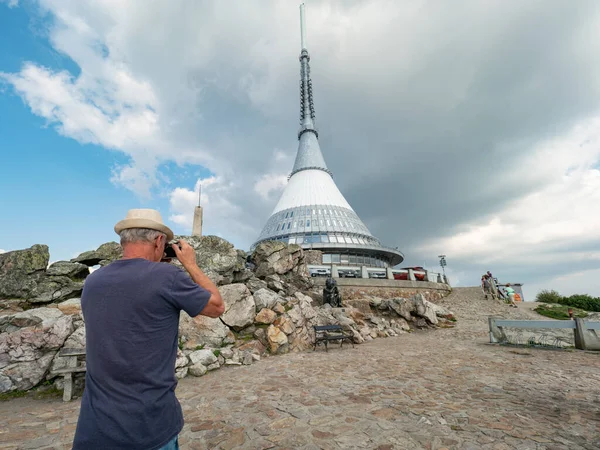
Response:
column 312, row 212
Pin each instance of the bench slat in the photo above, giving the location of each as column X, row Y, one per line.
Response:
column 68, row 370
column 327, row 327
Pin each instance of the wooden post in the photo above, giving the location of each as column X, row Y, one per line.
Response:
column 68, row 378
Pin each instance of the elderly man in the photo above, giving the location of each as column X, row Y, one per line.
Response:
column 131, row 310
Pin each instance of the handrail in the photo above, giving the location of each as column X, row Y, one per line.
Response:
column 584, row 332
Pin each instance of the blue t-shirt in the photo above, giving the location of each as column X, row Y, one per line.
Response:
column 131, row 310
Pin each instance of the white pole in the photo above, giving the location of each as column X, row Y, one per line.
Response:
column 302, row 27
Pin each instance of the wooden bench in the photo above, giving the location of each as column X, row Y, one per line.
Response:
column 326, row 333
column 71, row 355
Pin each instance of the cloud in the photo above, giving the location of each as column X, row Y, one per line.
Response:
column 2, row 251
column 550, row 225
column 221, row 216
column 10, row 3
column 270, row 183
column 448, row 131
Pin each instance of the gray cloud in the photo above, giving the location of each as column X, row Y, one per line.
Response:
column 430, row 114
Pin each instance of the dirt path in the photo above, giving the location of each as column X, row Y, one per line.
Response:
column 437, row 389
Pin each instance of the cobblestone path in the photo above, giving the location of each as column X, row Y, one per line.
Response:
column 438, row 389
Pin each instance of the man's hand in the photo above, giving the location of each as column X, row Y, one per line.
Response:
column 185, row 254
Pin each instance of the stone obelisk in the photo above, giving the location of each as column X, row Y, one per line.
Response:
column 197, row 226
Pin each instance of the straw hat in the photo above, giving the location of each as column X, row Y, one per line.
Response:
column 144, row 218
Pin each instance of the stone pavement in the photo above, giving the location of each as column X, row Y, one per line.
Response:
column 436, row 389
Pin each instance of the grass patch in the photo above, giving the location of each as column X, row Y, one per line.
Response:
column 216, row 353
column 560, row 312
column 199, row 347
column 12, row 394
column 50, row 392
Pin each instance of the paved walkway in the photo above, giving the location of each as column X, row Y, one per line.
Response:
column 437, row 389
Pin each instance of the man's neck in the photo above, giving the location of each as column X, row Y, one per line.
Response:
column 138, row 250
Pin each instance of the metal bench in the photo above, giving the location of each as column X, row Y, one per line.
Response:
column 326, row 333
column 71, row 355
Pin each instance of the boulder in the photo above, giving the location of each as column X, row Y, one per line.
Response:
column 287, row 261
column 68, row 269
column 71, row 306
column 55, row 289
column 401, row 306
column 218, row 259
column 103, row 255
column 265, row 298
column 255, row 284
column 75, row 340
column 278, row 308
column 21, row 270
column 313, row 257
column 202, row 330
column 197, row 370
column 240, row 307
column 275, row 284
column 277, row 339
column 254, row 347
column 425, row 309
column 181, row 372
column 265, row 316
column 206, row 357
column 284, row 324
column 28, row 343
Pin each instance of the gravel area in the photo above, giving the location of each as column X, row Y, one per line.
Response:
column 435, row 389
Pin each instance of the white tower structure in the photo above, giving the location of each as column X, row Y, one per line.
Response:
column 312, row 212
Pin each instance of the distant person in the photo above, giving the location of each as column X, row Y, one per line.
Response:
column 510, row 294
column 487, row 286
column 131, row 310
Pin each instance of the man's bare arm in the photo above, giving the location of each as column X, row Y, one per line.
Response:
column 187, row 257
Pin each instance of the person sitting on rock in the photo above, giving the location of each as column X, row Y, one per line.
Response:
column 131, row 310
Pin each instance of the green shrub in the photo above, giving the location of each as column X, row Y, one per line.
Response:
column 547, row 296
column 216, row 353
column 582, row 301
column 560, row 312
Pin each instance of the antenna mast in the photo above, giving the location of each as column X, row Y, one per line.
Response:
column 302, row 27
column 200, row 195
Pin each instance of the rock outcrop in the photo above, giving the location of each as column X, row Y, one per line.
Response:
column 29, row 340
column 103, row 255
column 271, row 308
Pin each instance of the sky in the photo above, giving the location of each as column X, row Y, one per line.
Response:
column 465, row 128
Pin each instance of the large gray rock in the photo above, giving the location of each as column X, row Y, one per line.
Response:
column 265, row 298
column 274, row 257
column 75, row 340
column 404, row 307
column 104, row 254
column 218, row 259
column 256, row 284
column 202, row 331
column 240, row 308
column 68, row 269
column 28, row 344
column 425, row 309
column 56, row 289
column 21, row 270
column 205, row 357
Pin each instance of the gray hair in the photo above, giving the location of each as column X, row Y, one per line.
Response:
column 131, row 235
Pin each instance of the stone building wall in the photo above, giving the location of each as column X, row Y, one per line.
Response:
column 357, row 288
